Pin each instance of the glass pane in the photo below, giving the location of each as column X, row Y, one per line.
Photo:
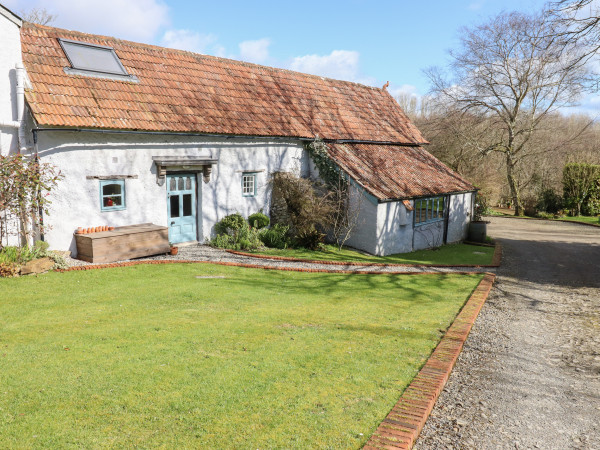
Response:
column 111, row 189
column 173, row 184
column 188, row 184
column 174, row 205
column 87, row 57
column 180, row 184
column 248, row 184
column 187, row 204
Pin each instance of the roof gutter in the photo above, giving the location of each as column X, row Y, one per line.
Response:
column 226, row 136
column 389, row 200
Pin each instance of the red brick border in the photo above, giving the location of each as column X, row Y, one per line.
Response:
column 496, row 259
column 252, row 266
column 401, row 427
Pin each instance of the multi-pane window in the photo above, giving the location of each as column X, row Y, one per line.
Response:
column 429, row 210
column 249, row 184
column 112, row 195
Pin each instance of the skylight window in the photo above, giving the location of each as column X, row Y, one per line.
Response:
column 97, row 59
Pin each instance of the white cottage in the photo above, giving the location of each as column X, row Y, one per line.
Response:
column 149, row 134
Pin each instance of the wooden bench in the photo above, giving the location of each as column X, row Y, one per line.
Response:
column 132, row 241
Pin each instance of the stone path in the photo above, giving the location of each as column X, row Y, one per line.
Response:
column 529, row 374
column 206, row 253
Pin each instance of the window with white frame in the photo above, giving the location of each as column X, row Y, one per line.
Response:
column 112, row 195
column 249, row 184
column 429, row 210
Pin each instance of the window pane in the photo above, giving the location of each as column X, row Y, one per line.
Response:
column 111, row 189
column 173, row 184
column 174, row 205
column 188, row 183
column 187, row 204
column 88, row 57
column 248, row 184
column 180, row 184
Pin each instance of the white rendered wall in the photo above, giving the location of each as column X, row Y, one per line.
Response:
column 364, row 235
column 10, row 55
column 76, row 201
column 394, row 229
column 429, row 235
column 460, row 216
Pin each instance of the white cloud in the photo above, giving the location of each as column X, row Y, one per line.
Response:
column 137, row 20
column 405, row 89
column 340, row 64
column 189, row 40
column 475, row 6
column 255, row 51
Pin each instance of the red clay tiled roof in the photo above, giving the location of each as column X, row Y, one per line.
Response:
column 185, row 92
column 391, row 172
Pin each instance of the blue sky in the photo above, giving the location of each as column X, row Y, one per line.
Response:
column 369, row 42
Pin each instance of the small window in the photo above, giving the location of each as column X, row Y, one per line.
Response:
column 112, row 195
column 91, row 57
column 429, row 210
column 249, row 184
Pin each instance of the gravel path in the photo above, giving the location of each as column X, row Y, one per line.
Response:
column 529, row 374
column 206, row 253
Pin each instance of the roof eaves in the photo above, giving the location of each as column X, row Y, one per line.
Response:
column 11, row 16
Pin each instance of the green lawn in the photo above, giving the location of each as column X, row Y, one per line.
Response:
column 150, row 356
column 587, row 219
column 447, row 254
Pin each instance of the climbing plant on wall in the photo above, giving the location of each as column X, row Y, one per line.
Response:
column 25, row 186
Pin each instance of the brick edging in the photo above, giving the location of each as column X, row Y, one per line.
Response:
column 253, row 266
column 496, row 259
column 401, row 427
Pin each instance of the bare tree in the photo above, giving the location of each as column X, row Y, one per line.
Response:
column 510, row 74
column 577, row 20
column 38, row 15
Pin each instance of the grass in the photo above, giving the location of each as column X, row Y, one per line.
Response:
column 587, row 219
column 151, row 356
column 446, row 255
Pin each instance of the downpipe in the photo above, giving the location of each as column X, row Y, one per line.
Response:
column 21, row 107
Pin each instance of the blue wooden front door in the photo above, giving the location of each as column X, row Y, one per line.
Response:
column 181, row 204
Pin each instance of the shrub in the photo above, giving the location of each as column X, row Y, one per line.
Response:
column 544, row 215
column 311, row 239
column 581, row 188
column 22, row 255
column 259, row 220
column 306, row 210
column 230, row 224
column 8, row 269
column 233, row 232
column 549, row 201
column 275, row 237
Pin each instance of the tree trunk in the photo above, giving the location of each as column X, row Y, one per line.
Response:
column 512, row 184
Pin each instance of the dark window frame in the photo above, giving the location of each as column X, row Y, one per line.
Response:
column 429, row 210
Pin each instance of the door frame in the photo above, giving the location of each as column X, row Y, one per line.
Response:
column 195, row 200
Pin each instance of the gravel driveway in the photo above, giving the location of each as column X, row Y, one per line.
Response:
column 529, row 374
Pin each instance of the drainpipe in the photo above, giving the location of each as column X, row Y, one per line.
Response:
column 21, row 106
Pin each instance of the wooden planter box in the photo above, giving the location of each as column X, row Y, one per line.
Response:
column 132, row 241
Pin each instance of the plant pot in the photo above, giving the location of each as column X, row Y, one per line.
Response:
column 477, row 231
column 174, row 251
